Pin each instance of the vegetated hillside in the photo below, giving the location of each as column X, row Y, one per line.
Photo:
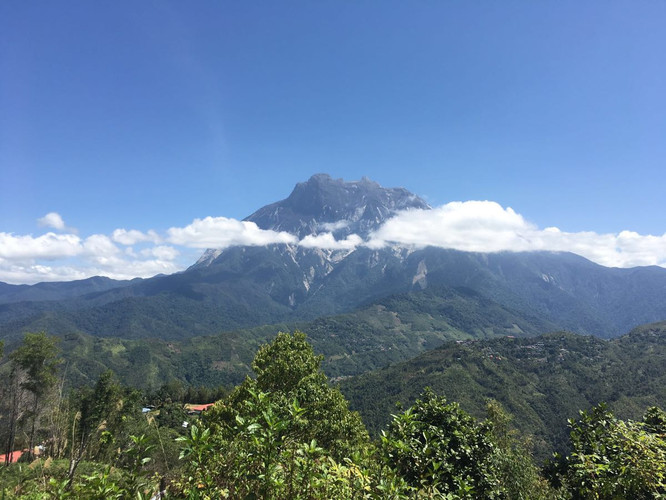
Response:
column 62, row 290
column 250, row 286
column 247, row 286
column 392, row 330
column 542, row 381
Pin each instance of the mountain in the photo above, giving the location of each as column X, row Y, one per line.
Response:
column 333, row 205
column 57, row 291
column 246, row 286
column 542, row 381
column 327, row 205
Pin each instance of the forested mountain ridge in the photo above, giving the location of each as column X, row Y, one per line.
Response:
column 542, row 381
column 474, row 350
column 247, row 286
column 391, row 330
column 49, row 291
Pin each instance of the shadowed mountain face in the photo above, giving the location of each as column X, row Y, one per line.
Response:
column 247, row 286
column 323, row 204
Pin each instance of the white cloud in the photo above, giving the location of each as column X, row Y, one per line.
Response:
column 327, row 241
column 17, row 273
column 47, row 246
column 132, row 237
column 478, row 226
column 220, row 232
column 65, row 257
column 52, row 219
column 334, row 226
column 113, row 268
column 99, row 244
column 485, row 226
column 162, row 252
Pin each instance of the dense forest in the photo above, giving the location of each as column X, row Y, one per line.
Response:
column 286, row 433
column 542, row 380
column 393, row 329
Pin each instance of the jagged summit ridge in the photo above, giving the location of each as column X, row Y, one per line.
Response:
column 324, row 204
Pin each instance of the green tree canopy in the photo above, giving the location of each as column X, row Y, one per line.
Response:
column 277, row 435
column 436, row 444
column 616, row 459
column 290, row 373
column 34, row 366
column 37, row 356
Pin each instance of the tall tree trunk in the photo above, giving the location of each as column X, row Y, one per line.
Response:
column 35, row 409
column 59, row 421
column 76, row 455
column 14, row 388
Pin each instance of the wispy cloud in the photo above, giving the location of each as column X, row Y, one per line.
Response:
column 125, row 254
column 66, row 256
column 55, row 221
column 334, row 226
column 328, row 241
column 52, row 219
column 47, row 246
column 132, row 236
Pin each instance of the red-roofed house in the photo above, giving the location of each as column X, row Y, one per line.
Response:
column 13, row 456
column 198, row 408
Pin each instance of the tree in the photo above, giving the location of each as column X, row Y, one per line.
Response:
column 655, row 421
column 616, row 459
column 103, row 413
column 435, row 445
column 171, row 415
column 35, row 362
column 283, row 435
column 288, row 371
column 512, row 461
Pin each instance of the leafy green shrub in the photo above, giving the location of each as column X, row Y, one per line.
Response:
column 288, row 371
column 615, row 459
column 435, row 444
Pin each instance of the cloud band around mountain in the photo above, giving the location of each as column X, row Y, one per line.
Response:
column 221, row 232
column 474, row 226
column 486, row 226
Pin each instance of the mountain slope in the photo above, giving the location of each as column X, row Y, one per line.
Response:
column 58, row 291
column 542, row 381
column 392, row 330
column 246, row 286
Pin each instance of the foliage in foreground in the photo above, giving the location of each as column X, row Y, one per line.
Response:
column 287, row 434
column 616, row 459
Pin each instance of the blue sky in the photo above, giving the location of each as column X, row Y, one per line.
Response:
column 148, row 115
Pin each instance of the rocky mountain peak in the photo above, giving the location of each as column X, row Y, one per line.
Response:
column 324, row 204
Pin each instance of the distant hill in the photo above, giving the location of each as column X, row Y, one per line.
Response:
column 542, row 380
column 58, row 291
column 391, row 330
